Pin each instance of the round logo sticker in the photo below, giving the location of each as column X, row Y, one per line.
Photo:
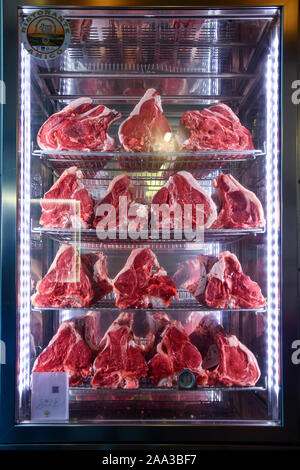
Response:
column 45, row 34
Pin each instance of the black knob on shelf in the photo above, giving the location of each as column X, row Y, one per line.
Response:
column 186, row 380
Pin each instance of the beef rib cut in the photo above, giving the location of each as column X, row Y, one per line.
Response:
column 241, row 209
column 192, row 275
column 146, row 129
column 66, row 352
column 120, row 362
column 73, row 280
column 143, row 282
column 108, row 212
column 225, row 358
column 67, row 204
column 79, row 126
column 229, row 287
column 213, row 128
column 175, row 352
column 183, row 189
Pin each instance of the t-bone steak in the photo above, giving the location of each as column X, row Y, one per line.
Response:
column 143, row 282
column 120, row 362
column 241, row 209
column 146, row 129
column 79, row 126
column 229, row 287
column 175, row 352
column 118, row 209
column 67, row 204
column 66, row 352
column 225, row 359
column 192, row 275
column 73, row 280
column 213, row 128
column 181, row 193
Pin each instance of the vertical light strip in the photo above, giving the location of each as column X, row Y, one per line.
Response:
column 273, row 215
column 24, row 233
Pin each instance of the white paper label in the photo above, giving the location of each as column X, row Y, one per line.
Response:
column 50, row 396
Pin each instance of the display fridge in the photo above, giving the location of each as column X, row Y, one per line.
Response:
column 149, row 254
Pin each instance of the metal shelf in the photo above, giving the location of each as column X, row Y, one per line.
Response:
column 185, row 302
column 166, row 162
column 124, row 242
column 86, row 393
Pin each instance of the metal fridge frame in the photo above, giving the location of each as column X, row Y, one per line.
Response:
column 95, row 435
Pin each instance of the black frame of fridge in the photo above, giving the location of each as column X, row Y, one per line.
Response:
column 205, row 435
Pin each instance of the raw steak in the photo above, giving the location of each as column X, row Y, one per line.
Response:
column 192, row 275
column 174, row 353
column 240, row 207
column 79, row 126
column 143, row 282
column 226, row 359
column 213, row 128
column 229, row 287
column 67, row 204
column 146, row 129
column 120, row 362
column 73, row 280
column 108, row 212
column 66, row 352
column 183, row 189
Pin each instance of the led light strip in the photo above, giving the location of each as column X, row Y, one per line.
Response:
column 24, row 242
column 273, row 215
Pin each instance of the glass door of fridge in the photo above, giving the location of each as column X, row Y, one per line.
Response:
column 133, row 362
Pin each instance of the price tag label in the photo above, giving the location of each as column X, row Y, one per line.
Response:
column 50, row 396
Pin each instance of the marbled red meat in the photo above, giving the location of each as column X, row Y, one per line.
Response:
column 73, row 280
column 120, row 362
column 66, row 352
column 79, row 126
column 229, row 287
column 181, row 190
column 67, row 204
column 241, row 209
column 213, row 128
column 175, row 352
column 225, row 359
column 146, row 127
column 143, row 282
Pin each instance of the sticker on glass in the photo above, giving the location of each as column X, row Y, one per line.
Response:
column 45, row 34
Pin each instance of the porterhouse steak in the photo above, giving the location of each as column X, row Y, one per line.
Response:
column 229, row 287
column 73, row 280
column 225, row 359
column 67, row 352
column 120, row 362
column 79, row 126
column 118, row 209
column 67, row 204
column 213, row 128
column 181, row 190
column 240, row 207
column 143, row 282
column 146, row 127
column 175, row 352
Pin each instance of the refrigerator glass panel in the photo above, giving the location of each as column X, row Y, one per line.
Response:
column 194, row 59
